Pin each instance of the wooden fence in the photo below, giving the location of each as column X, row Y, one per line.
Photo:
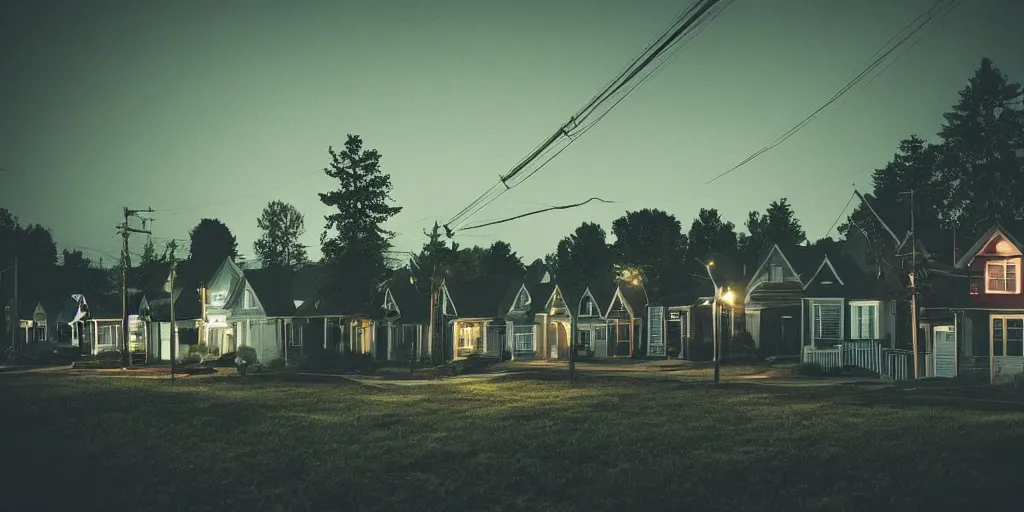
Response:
column 892, row 363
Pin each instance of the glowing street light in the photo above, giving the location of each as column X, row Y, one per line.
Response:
column 726, row 297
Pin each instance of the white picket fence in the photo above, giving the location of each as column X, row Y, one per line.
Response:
column 892, row 363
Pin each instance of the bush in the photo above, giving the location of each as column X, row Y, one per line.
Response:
column 199, row 350
column 276, row 363
column 701, row 351
column 109, row 357
column 741, row 348
column 247, row 353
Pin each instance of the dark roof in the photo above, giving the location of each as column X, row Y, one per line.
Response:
column 635, row 297
column 804, row 258
column 539, row 295
column 603, row 292
column 330, row 301
column 856, row 283
column 273, row 288
column 484, row 296
column 945, row 290
column 307, row 281
column 413, row 303
column 693, row 289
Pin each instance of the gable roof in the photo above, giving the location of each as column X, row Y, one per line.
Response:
column 986, row 237
column 413, row 303
column 839, row 275
column 539, row 292
column 273, row 289
column 488, row 296
column 633, row 298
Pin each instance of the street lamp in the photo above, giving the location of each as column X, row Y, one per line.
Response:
column 726, row 296
column 635, row 277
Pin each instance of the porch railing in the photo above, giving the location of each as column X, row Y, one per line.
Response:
column 892, row 363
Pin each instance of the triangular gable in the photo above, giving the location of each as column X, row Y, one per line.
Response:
column 556, row 300
column 239, row 301
column 764, row 263
column 223, row 289
column 39, row 314
column 522, row 301
column 389, row 302
column 619, row 298
column 588, row 296
column 830, row 270
column 987, row 244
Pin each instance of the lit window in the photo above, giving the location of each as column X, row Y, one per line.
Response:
column 863, row 321
column 523, row 337
column 1001, row 276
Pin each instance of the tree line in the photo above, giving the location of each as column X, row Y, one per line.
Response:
column 973, row 174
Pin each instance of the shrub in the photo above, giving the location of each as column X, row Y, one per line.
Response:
column 276, row 363
column 109, row 357
column 701, row 351
column 248, row 354
column 200, row 349
column 741, row 348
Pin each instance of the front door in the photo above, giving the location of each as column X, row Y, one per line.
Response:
column 944, row 352
column 789, row 341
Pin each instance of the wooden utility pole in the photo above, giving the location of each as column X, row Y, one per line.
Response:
column 174, row 334
column 126, row 232
column 913, row 286
column 15, row 312
column 431, row 334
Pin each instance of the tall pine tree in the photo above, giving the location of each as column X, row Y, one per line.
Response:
column 354, row 241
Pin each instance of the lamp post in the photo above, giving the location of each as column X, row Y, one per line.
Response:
column 635, row 277
column 727, row 297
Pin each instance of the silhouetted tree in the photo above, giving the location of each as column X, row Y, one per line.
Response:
column 149, row 253
column 210, row 243
column 170, row 249
column 712, row 239
column 501, row 259
column 535, row 271
column 75, row 259
column 583, row 256
column 777, row 225
column 357, row 250
column 434, row 258
column 653, row 242
column 278, row 246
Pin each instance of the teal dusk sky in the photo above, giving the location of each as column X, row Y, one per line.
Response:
column 226, row 105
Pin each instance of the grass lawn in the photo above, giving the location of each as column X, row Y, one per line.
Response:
column 270, row 443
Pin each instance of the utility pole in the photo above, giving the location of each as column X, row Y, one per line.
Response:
column 913, row 285
column 174, row 337
column 15, row 312
column 431, row 334
column 126, row 232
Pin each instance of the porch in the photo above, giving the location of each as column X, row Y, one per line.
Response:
column 478, row 336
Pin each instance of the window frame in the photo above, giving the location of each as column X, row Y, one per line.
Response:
column 1004, row 342
column 857, row 323
column 772, row 268
column 520, row 332
column 816, row 325
column 1003, row 263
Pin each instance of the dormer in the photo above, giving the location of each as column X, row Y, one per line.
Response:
column 522, row 301
column 556, row 305
column 588, row 306
column 995, row 264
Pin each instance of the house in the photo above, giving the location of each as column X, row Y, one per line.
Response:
column 189, row 310
column 625, row 315
column 406, row 320
column 477, row 313
column 978, row 328
column 538, row 307
column 337, row 322
column 592, row 329
column 773, row 298
column 844, row 306
column 680, row 323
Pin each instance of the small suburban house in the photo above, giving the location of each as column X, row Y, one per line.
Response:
column 336, row 322
column 773, row 298
column 681, row 322
column 477, row 313
column 406, row 320
column 626, row 314
column 591, row 324
column 978, row 327
column 843, row 306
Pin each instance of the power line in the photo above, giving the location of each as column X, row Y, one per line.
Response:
column 928, row 16
column 178, row 211
column 852, row 195
column 535, row 212
column 689, row 17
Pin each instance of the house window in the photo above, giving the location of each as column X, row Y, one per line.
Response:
column 601, row 333
column 522, row 336
column 250, row 300
column 1008, row 336
column 587, row 307
column 1001, row 276
column 775, row 273
column 827, row 323
column 109, row 335
column 470, row 337
column 522, row 301
column 864, row 321
column 217, row 299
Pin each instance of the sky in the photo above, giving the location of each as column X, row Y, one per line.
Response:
column 214, row 108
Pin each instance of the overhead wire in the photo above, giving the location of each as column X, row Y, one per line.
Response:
column 928, row 16
column 535, row 212
column 840, row 216
column 689, row 17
